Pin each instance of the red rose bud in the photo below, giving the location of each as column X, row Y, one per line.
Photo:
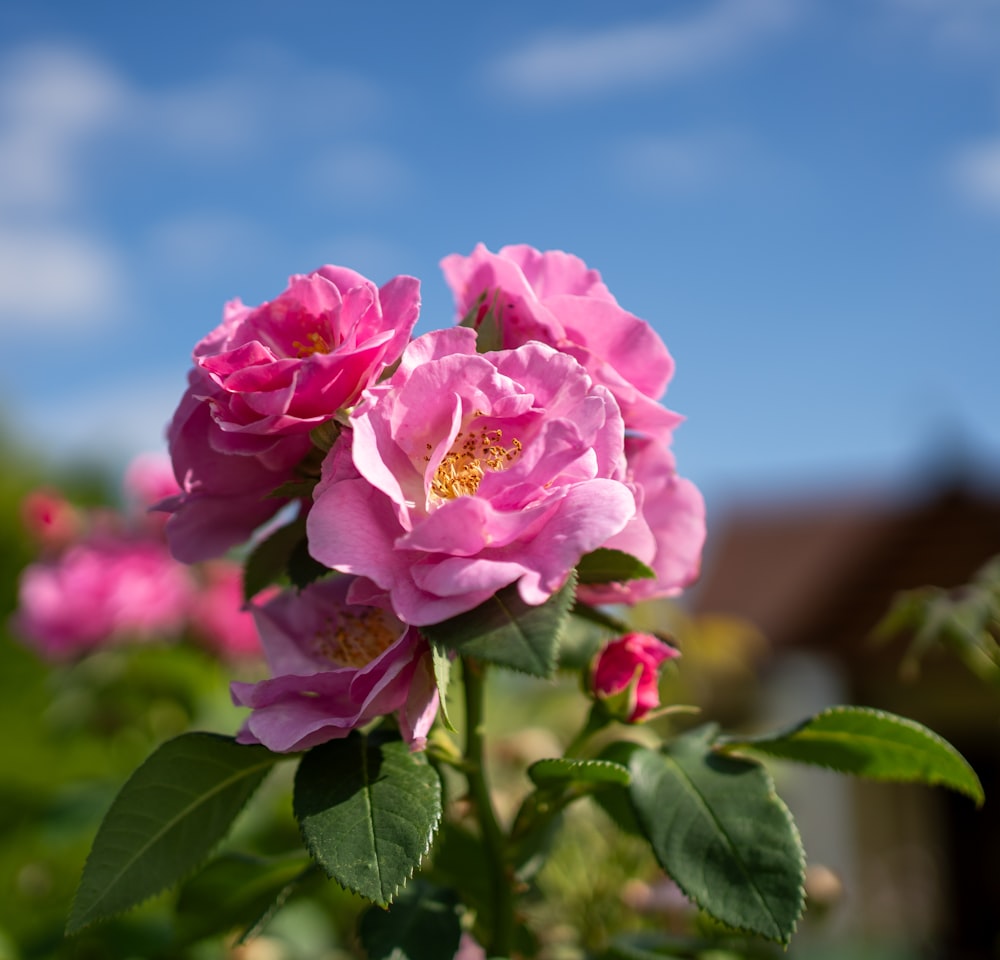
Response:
column 626, row 674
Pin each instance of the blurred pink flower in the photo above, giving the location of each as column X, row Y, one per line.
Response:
column 261, row 381
column 554, row 298
column 469, row 472
column 106, row 590
column 630, row 666
column 50, row 519
column 336, row 666
column 218, row 615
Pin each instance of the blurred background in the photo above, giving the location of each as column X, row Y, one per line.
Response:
column 802, row 196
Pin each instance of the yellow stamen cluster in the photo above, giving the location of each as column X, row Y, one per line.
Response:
column 354, row 641
column 463, row 468
column 317, row 344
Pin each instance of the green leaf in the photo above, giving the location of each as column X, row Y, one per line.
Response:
column 165, row 820
column 441, row 660
column 368, row 809
column 456, row 862
column 237, row 891
column 869, row 743
column 545, row 772
column 422, row 924
column 489, row 335
column 303, row 567
column 509, row 632
column 722, row 834
column 612, row 566
column 268, row 561
column 615, row 800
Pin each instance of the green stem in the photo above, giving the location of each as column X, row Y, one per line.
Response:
column 473, row 675
column 597, row 720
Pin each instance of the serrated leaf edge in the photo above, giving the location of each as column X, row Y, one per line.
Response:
column 432, row 833
column 731, row 745
column 780, row 804
column 577, row 763
column 90, row 918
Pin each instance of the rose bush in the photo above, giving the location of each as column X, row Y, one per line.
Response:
column 261, row 381
column 336, row 666
column 464, row 473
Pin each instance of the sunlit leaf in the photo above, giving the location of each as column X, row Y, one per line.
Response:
column 869, row 743
column 721, row 833
column 612, row 566
column 368, row 809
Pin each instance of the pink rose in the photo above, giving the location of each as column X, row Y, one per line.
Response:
column 289, row 365
column 219, row 616
column 469, row 472
column 224, row 496
column 554, row 298
column 630, row 665
column 105, row 590
column 261, row 381
column 51, row 519
column 667, row 532
column 336, row 666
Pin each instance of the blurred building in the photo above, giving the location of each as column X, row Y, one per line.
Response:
column 918, row 864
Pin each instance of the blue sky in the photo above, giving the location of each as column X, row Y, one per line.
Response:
column 802, row 196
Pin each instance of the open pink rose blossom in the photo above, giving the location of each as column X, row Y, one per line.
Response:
column 261, row 381
column 631, row 665
column 469, row 472
column 336, row 666
column 667, row 532
column 553, row 297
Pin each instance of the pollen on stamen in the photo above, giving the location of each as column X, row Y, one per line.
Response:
column 355, row 640
column 464, row 466
column 317, row 344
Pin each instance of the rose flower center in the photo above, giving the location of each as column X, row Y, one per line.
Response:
column 315, row 343
column 356, row 640
column 464, row 466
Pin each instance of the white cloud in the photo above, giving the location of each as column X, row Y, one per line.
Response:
column 576, row 64
column 263, row 102
column 677, row 164
column 963, row 27
column 199, row 245
column 976, row 173
column 357, row 173
column 58, row 277
column 54, row 102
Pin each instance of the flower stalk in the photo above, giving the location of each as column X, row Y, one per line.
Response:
column 494, row 840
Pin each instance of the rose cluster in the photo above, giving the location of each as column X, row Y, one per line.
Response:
column 106, row 577
column 428, row 473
